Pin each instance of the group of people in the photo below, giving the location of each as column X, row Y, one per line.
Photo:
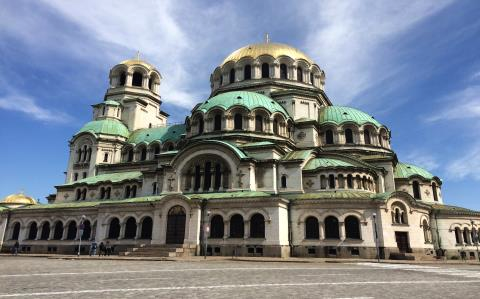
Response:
column 103, row 249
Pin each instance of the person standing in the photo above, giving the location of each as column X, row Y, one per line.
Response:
column 93, row 248
column 15, row 248
column 108, row 248
column 102, row 249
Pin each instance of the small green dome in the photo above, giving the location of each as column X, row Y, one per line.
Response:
column 326, row 163
column 406, row 171
column 105, row 126
column 341, row 114
column 249, row 100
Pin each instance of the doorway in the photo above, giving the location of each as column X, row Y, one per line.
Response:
column 176, row 225
column 403, row 243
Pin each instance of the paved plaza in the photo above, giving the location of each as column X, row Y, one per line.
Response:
column 62, row 278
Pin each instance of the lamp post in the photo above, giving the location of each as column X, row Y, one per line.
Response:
column 206, row 230
column 475, row 238
column 374, row 216
column 81, row 228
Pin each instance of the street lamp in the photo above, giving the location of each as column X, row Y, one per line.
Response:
column 475, row 238
column 206, row 230
column 374, row 216
column 81, row 228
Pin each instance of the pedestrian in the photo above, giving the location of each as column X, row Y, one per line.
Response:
column 102, row 249
column 15, row 248
column 93, row 248
column 108, row 248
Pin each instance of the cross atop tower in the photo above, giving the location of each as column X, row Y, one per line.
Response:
column 138, row 55
column 267, row 38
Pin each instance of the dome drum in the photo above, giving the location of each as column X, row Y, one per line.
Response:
column 135, row 73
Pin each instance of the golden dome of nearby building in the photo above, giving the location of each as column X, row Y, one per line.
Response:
column 137, row 61
column 273, row 49
column 18, row 199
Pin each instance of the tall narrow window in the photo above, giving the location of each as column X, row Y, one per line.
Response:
column 247, row 72
column 105, row 157
column 312, row 228
column 257, row 226
column 312, row 79
column 107, row 192
column 238, row 122
column 265, row 70
column 154, row 188
column 352, row 227
column 221, row 79
column 123, row 79
column 134, row 191
column 127, row 192
column 283, row 71
column 197, row 178
column 329, row 137
column 434, row 191
column 416, row 190
column 350, row 181
column 284, row 181
column 366, row 136
column 216, row 227
column 208, row 176
column 323, row 182
column 348, row 136
column 237, row 227
column 103, row 110
column 331, row 181
column 130, row 155
column 137, row 79
column 218, row 177
column 275, row 126
column 143, row 154
column 217, row 122
column 299, row 74
column 232, row 76
column 258, row 123
column 331, row 228
column 200, row 125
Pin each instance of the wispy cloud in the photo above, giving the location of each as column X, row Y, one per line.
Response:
column 463, row 104
column 28, row 105
column 467, row 165
column 354, row 41
column 423, row 159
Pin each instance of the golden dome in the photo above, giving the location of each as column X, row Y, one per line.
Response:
column 18, row 199
column 273, row 49
column 135, row 61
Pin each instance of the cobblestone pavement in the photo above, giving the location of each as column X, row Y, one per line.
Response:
column 22, row 277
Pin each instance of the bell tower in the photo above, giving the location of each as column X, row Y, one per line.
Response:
column 135, row 85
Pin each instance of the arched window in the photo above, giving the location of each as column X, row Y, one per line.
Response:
column 466, row 236
column 114, row 229
column 87, row 230
column 283, row 71
column 458, row 236
column 134, row 191
column 78, row 194
column 216, row 227
column 221, row 79
column 171, row 147
column 16, row 231
column 103, row 110
column 102, row 193
column 275, row 126
column 200, row 125
column 238, row 121
column 207, row 182
column 323, row 182
column 143, row 154
column 150, row 84
column 299, row 74
column 45, row 231
column 348, row 136
column 352, row 228
column 72, row 231
column 331, row 228
column 147, row 225
column 265, row 70
column 154, row 188
column 232, row 76
column 130, row 155
column 331, row 181
column 217, row 122
column 426, row 231
column 218, row 177
column 32, row 232
column 366, row 137
column 341, row 181
column 284, row 181
column 58, row 231
column 311, row 78
column 329, row 137
column 434, row 192
column 247, row 72
column 350, row 181
column 312, row 228
column 108, row 190
column 399, row 214
column 137, row 79
column 123, row 78
column 237, row 229
column 130, row 228
column 258, row 123
column 84, row 194
column 257, row 226
column 416, row 190
column 156, row 149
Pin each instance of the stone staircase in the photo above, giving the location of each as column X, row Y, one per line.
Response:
column 167, row 250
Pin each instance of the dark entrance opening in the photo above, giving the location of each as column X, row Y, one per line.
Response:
column 402, row 242
column 176, row 225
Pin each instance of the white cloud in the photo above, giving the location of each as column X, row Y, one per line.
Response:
column 463, row 104
column 354, row 41
column 467, row 165
column 28, row 106
column 423, row 159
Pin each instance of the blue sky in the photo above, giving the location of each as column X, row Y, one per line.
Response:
column 414, row 65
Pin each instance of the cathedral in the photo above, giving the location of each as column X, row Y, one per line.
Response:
column 267, row 165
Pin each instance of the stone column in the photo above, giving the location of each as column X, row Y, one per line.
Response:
column 128, row 82
column 341, row 227
column 145, row 81
column 202, row 181
column 139, row 231
column 246, row 227
column 321, row 227
column 226, row 228
column 65, row 231
column 122, row 231
column 52, row 232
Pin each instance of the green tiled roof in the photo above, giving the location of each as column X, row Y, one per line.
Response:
column 223, row 195
column 111, row 103
column 108, row 177
column 332, row 195
column 297, row 155
column 454, row 210
column 254, row 144
column 247, row 99
column 162, row 134
column 340, row 114
column 232, row 146
column 406, row 171
column 105, row 126
column 326, row 163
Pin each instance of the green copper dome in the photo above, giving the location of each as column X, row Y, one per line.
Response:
column 162, row 134
column 249, row 100
column 105, row 126
column 406, row 171
column 341, row 114
column 326, row 163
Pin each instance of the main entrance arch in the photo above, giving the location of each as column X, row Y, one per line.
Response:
column 176, row 225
